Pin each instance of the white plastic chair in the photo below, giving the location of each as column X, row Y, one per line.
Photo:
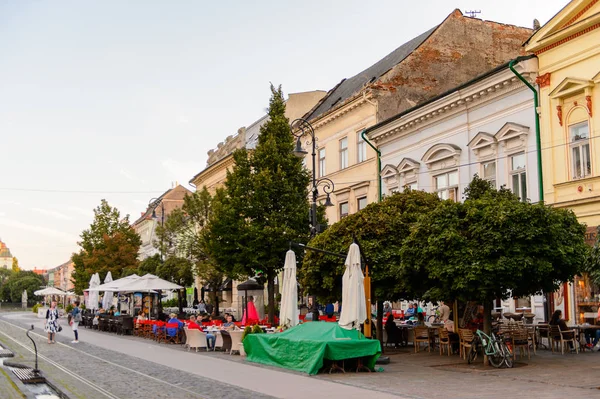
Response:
column 195, row 339
column 218, row 339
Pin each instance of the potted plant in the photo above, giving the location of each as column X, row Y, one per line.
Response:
column 247, row 331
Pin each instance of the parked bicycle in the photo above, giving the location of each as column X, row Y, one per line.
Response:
column 498, row 352
column 435, row 317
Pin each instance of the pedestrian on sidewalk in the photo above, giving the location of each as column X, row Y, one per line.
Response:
column 75, row 320
column 51, row 325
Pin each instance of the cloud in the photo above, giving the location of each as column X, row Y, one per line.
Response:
column 130, row 176
column 52, row 213
column 9, row 202
column 183, row 171
column 2, row 214
column 39, row 230
column 81, row 211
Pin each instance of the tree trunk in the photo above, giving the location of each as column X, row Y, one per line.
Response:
column 180, row 300
column 216, row 310
column 271, row 296
column 487, row 323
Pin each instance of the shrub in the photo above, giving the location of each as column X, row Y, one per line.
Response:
column 69, row 308
column 247, row 331
column 257, row 330
column 35, row 308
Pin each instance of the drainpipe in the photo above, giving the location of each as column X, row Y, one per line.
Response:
column 538, row 143
column 364, row 137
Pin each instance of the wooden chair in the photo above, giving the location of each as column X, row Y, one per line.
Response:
column 520, row 339
column 562, row 337
column 421, row 336
column 466, row 338
column 444, row 340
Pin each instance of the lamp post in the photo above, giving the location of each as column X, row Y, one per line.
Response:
column 303, row 127
column 155, row 203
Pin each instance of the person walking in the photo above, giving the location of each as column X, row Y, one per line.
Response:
column 51, row 324
column 75, row 320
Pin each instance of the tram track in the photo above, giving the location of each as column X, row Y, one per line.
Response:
column 97, row 388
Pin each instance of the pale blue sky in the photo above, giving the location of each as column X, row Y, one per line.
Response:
column 117, row 99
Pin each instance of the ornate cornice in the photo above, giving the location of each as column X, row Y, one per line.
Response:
column 355, row 102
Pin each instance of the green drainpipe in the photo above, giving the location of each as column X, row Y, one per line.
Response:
column 364, row 137
column 538, row 142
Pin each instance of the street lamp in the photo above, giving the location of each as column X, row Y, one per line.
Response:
column 155, row 203
column 300, row 127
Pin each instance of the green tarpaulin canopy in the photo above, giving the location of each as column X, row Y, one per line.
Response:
column 304, row 347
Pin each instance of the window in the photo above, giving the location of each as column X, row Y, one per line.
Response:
column 322, row 162
column 580, row 150
column 343, row 210
column 518, row 176
column 412, row 185
column 361, row 149
column 446, row 185
column 344, row 153
column 489, row 172
column 361, row 202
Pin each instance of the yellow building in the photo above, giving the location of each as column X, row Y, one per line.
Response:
column 568, row 49
column 447, row 55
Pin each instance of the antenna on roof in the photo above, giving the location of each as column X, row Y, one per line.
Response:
column 473, row 13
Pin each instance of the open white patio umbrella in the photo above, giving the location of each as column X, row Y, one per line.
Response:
column 114, row 285
column 49, row 291
column 288, row 313
column 107, row 300
column 93, row 296
column 354, row 306
column 149, row 282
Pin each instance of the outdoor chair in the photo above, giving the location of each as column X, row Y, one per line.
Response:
column 562, row 337
column 195, row 339
column 444, row 340
column 226, row 341
column 421, row 336
column 171, row 333
column 126, row 325
column 236, row 341
column 543, row 332
column 218, row 339
column 103, row 323
column 466, row 338
column 520, row 339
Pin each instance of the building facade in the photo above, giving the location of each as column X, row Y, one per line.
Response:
column 457, row 50
column 6, row 257
column 60, row 276
column 145, row 226
column 484, row 127
column 569, row 86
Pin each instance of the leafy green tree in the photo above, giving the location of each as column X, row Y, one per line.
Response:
column 592, row 264
column 15, row 265
column 265, row 205
column 17, row 282
column 110, row 244
column 491, row 246
column 176, row 270
column 150, row 264
column 381, row 229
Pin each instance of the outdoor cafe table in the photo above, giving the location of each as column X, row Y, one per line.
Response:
column 580, row 330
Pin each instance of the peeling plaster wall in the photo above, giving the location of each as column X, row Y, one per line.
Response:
column 459, row 50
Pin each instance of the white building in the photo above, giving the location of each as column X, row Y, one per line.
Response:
column 485, row 126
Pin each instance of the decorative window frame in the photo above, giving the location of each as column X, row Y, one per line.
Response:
column 573, row 87
column 408, row 171
column 511, row 132
column 483, row 141
column 442, row 156
column 391, row 178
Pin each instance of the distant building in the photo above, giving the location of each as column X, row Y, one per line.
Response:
column 59, row 276
column 6, row 257
column 145, row 226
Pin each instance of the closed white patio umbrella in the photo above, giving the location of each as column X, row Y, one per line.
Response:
column 354, row 306
column 288, row 313
column 93, row 295
column 107, row 300
column 114, row 285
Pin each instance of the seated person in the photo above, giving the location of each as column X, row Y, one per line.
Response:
column 173, row 320
column 205, row 318
column 140, row 317
column 395, row 335
column 329, row 310
column 192, row 324
column 420, row 320
column 117, row 313
column 410, row 312
column 229, row 322
column 95, row 321
column 555, row 320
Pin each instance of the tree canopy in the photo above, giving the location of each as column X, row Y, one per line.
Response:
column 15, row 265
column 12, row 285
column 109, row 244
column 381, row 229
column 265, row 204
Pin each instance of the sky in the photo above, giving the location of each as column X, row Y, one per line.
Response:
column 122, row 99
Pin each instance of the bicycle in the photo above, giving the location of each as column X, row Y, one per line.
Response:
column 498, row 352
column 435, row 317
